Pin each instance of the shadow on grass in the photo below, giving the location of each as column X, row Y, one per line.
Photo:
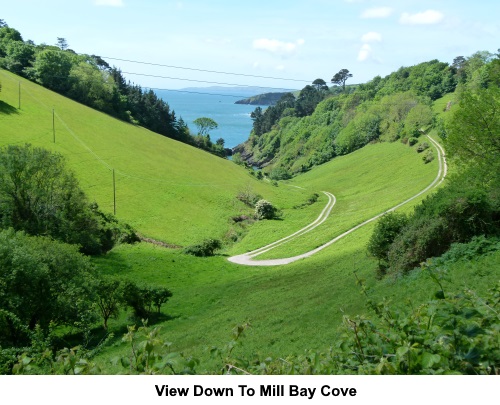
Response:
column 7, row 108
column 98, row 334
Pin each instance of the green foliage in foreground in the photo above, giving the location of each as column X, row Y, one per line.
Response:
column 455, row 335
column 42, row 282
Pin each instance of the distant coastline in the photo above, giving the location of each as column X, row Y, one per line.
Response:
column 262, row 99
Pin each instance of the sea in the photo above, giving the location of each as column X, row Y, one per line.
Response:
column 218, row 103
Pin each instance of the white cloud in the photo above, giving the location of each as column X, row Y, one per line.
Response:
column 424, row 18
column 365, row 53
column 111, row 3
column 276, row 46
column 377, row 12
column 371, row 37
column 280, row 67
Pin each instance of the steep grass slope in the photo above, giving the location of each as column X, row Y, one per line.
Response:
column 167, row 190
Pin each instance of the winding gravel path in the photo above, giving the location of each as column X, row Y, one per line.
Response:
column 248, row 258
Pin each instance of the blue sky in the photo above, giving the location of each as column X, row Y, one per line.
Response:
column 300, row 40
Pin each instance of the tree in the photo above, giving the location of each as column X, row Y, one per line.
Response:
column 220, row 142
column 418, row 119
column 473, row 134
column 320, row 85
column 341, row 77
column 134, row 297
column 62, row 43
column 160, row 296
column 265, row 210
column 8, row 34
column 109, row 296
column 257, row 118
column 51, row 69
column 307, row 101
column 205, row 125
column 19, row 56
column 91, row 86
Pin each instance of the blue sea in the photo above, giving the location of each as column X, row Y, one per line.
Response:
column 234, row 122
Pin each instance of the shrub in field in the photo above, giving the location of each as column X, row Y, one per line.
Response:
column 204, row 249
column 248, row 197
column 310, row 200
column 279, row 173
column 428, row 157
column 265, row 210
column 423, row 146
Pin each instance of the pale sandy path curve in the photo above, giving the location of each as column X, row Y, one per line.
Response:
column 248, row 258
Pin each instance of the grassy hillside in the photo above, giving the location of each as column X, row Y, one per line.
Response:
column 176, row 193
column 167, row 190
column 291, row 308
column 365, row 183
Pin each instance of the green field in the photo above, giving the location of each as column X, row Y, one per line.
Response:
column 166, row 189
column 179, row 194
column 365, row 183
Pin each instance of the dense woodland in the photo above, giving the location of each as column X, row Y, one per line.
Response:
column 50, row 292
column 90, row 80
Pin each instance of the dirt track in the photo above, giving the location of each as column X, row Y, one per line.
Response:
column 248, row 258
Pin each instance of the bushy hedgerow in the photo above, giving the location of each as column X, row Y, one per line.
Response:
column 454, row 214
column 386, row 230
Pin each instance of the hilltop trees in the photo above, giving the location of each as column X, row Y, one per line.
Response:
column 90, row 80
column 51, row 69
column 62, row 44
column 308, row 99
column 341, row 77
column 320, row 85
